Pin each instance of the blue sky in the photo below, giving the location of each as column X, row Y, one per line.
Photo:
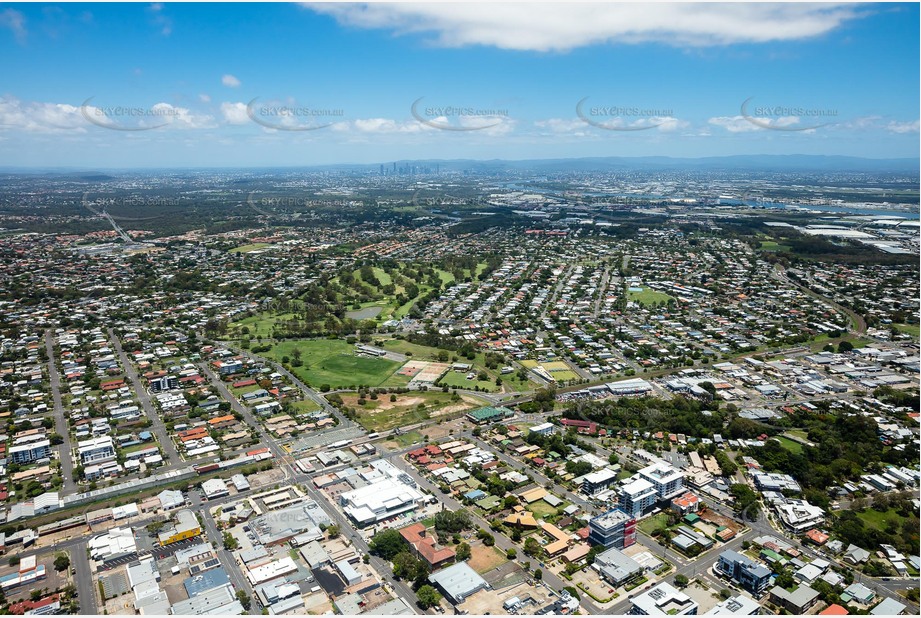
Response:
column 140, row 85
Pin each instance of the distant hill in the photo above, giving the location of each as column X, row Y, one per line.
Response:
column 747, row 163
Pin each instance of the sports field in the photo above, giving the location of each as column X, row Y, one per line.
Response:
column 333, row 362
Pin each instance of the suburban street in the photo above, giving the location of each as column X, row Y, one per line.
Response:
column 170, row 455
column 65, row 449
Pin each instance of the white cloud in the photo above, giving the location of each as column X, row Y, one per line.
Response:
column 234, row 113
column 204, row 98
column 161, row 21
column 734, row 124
column 230, row 81
column 181, row 117
column 37, row 117
column 381, row 125
column 15, row 21
column 562, row 27
column 903, row 127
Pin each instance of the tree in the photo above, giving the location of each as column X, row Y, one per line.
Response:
column 531, row 546
column 428, row 596
column 538, row 574
column 244, row 599
column 681, row 580
column 387, row 544
column 510, row 553
column 61, row 562
column 463, row 551
column 333, row 531
column 407, row 566
column 230, row 542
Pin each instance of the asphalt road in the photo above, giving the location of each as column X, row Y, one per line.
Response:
column 65, row 450
column 170, row 456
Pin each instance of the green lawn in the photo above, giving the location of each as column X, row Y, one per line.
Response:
column 458, row 379
column 541, row 509
column 648, row 297
column 306, row 406
column 406, row 439
column 333, row 362
column 418, row 352
column 251, row 247
column 651, row 524
column 877, row 519
column 794, row 447
column 912, row 329
column 772, row 245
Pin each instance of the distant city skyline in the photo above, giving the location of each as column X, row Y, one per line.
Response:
column 215, row 85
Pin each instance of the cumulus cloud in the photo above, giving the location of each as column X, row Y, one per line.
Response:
column 234, row 113
column 562, row 27
column 14, row 21
column 230, row 81
column 39, row 117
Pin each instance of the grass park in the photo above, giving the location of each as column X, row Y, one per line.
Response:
column 647, row 297
column 333, row 362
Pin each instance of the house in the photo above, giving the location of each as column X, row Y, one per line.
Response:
column 834, row 610
column 855, row 555
column 888, row 607
column 797, row 602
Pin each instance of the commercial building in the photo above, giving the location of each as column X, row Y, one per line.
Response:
column 544, row 429
column 663, row 600
column 612, row 529
column 185, row 527
column 750, row 575
column 458, row 582
column 488, row 414
column 615, row 567
column 381, row 500
column 303, row 520
column 215, row 488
